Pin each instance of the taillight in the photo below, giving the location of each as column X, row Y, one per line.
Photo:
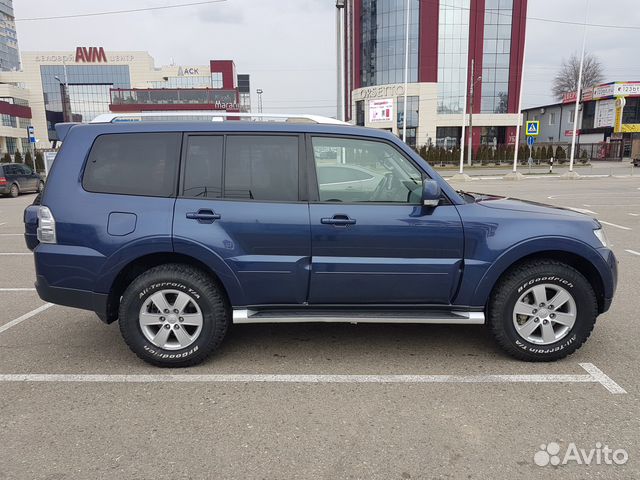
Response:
column 46, row 226
column 3, row 181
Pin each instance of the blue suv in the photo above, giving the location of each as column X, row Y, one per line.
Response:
column 179, row 229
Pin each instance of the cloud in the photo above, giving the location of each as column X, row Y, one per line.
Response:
column 221, row 13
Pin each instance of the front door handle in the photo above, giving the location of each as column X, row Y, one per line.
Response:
column 204, row 216
column 339, row 220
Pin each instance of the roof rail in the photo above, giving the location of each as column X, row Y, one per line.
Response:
column 214, row 116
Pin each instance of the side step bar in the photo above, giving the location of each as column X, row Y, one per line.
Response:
column 358, row 316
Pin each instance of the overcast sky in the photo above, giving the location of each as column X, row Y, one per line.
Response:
column 288, row 46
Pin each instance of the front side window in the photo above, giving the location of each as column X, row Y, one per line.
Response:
column 364, row 171
column 261, row 167
column 133, row 164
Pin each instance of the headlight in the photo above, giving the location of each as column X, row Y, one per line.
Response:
column 599, row 233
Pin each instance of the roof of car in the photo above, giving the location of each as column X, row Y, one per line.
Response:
column 228, row 126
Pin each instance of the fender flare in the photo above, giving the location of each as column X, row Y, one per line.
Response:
column 534, row 246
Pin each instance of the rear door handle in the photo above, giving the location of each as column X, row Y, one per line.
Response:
column 338, row 220
column 204, row 216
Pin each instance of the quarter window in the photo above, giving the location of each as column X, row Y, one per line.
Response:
column 364, row 171
column 133, row 164
column 261, row 167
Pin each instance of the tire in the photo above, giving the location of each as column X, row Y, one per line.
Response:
column 546, row 333
column 14, row 191
column 206, row 315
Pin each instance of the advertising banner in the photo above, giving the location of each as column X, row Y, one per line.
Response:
column 381, row 110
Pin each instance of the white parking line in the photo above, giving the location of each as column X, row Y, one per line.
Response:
column 15, row 254
column 3, row 223
column 11, row 234
column 17, row 289
column 594, row 375
column 633, row 252
column 582, row 210
column 24, row 317
column 614, row 225
column 634, row 214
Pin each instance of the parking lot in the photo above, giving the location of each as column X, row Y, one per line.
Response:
column 320, row 401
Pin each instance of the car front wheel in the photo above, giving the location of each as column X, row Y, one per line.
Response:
column 542, row 311
column 173, row 316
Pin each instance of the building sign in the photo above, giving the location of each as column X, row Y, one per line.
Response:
column 570, row 97
column 569, row 133
column 90, row 55
column 381, row 110
column 618, row 89
column 384, row 91
column 189, row 71
column 619, row 105
column 605, row 113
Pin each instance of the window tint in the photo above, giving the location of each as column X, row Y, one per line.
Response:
column 9, row 170
column 26, row 170
column 203, row 167
column 133, row 164
column 261, row 167
column 364, row 171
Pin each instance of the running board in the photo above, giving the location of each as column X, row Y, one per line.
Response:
column 358, row 316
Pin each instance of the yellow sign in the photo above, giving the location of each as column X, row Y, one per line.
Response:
column 620, row 102
column 631, row 128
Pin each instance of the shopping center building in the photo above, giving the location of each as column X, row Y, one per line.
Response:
column 78, row 85
column 455, row 47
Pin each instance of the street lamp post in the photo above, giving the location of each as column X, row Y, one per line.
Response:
column 340, row 47
column 471, row 102
column 259, row 92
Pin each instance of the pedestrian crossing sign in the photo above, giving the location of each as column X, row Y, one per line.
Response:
column 533, row 128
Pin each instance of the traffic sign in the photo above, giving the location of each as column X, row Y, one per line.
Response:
column 31, row 132
column 531, row 141
column 533, row 128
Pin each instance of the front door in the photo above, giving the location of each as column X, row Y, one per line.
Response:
column 372, row 241
column 240, row 202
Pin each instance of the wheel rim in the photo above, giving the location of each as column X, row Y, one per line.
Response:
column 544, row 314
column 14, row 190
column 171, row 319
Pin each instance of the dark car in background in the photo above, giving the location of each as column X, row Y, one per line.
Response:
column 17, row 178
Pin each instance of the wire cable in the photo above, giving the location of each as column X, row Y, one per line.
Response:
column 118, row 12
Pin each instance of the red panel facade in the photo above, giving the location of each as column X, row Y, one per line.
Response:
column 228, row 69
column 428, row 47
column 357, row 42
column 15, row 110
column 476, row 42
column 518, row 32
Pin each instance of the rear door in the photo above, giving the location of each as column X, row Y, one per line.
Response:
column 29, row 179
column 375, row 243
column 242, row 198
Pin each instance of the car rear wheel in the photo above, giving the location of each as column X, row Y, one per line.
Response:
column 14, row 191
column 542, row 311
column 173, row 316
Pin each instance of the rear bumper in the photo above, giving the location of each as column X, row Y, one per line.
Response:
column 4, row 189
column 69, row 297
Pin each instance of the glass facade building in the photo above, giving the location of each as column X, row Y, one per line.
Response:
column 79, row 93
column 496, row 56
column 448, row 39
column 9, row 54
column 453, row 53
column 383, row 41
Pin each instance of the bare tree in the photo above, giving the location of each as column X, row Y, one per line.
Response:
column 566, row 80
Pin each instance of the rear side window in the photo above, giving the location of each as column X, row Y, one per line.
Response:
column 203, row 166
column 133, row 164
column 261, row 167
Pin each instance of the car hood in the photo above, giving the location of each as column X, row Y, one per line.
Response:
column 526, row 206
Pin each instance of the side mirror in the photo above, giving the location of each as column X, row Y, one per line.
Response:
column 430, row 193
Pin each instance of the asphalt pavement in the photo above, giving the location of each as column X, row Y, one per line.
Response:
column 377, row 402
